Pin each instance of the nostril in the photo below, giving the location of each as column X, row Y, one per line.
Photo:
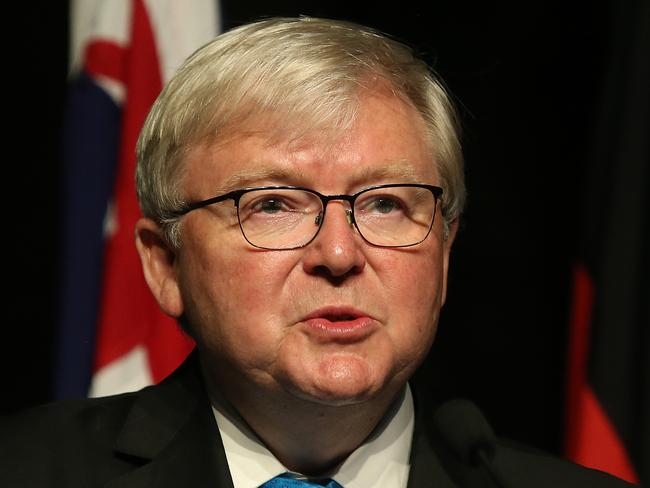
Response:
column 335, row 278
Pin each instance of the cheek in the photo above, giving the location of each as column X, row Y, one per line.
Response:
column 413, row 280
column 255, row 282
column 232, row 298
column 413, row 285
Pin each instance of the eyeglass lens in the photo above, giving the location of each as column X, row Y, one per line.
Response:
column 291, row 218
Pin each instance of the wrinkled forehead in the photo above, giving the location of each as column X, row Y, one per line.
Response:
column 384, row 140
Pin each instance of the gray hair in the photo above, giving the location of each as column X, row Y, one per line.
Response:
column 306, row 69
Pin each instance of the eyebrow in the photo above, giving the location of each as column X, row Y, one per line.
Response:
column 401, row 171
column 249, row 177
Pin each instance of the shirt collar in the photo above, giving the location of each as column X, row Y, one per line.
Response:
column 382, row 461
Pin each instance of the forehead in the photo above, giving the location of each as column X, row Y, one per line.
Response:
column 386, row 142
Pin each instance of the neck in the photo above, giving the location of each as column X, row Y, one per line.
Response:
column 307, row 437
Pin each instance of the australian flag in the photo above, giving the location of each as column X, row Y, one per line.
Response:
column 113, row 336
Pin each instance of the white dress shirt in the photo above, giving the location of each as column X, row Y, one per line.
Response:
column 382, row 461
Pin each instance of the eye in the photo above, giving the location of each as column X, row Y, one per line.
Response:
column 385, row 205
column 380, row 205
column 274, row 204
column 266, row 203
column 270, row 205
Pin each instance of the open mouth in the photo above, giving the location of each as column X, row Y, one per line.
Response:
column 339, row 318
column 340, row 324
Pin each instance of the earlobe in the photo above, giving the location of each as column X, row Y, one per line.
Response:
column 159, row 266
column 446, row 249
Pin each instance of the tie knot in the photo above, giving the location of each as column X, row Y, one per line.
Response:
column 286, row 480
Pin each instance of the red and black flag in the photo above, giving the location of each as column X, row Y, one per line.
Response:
column 608, row 422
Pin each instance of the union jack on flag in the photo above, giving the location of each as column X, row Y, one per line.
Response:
column 113, row 336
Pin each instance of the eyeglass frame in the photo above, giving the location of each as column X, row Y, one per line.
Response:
column 235, row 196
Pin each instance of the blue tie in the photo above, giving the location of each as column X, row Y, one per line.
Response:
column 286, row 481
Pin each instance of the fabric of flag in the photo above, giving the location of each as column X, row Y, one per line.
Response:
column 608, row 422
column 113, row 336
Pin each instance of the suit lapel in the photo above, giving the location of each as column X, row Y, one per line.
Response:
column 171, row 438
column 432, row 462
column 426, row 467
column 171, row 435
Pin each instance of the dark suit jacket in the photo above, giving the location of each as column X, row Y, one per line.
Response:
column 166, row 436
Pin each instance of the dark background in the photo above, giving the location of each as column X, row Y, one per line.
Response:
column 527, row 81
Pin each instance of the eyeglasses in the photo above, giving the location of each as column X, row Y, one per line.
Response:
column 289, row 217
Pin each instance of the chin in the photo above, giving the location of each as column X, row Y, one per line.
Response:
column 338, row 381
column 332, row 397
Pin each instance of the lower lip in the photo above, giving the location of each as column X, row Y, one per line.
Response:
column 341, row 331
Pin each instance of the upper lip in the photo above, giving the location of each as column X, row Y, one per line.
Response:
column 336, row 312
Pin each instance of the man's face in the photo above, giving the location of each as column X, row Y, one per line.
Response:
column 336, row 322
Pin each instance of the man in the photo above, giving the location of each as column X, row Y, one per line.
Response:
column 301, row 184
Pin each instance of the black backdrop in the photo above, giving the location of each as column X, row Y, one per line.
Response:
column 526, row 79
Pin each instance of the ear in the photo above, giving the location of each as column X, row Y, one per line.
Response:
column 446, row 251
column 159, row 266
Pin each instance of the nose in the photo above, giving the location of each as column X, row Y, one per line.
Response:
column 337, row 249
